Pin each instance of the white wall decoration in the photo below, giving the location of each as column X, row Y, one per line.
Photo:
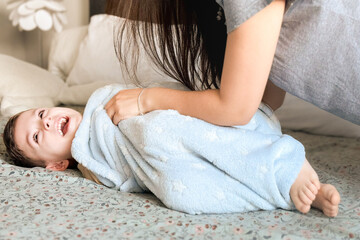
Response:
column 43, row 14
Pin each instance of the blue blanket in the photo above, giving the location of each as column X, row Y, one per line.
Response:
column 190, row 165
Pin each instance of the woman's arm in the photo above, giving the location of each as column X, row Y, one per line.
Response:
column 248, row 58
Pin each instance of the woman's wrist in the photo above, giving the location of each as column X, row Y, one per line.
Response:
column 146, row 100
column 139, row 105
column 157, row 98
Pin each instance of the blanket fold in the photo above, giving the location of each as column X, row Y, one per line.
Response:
column 190, row 165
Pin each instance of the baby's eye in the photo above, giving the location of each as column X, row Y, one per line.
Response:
column 35, row 137
column 41, row 113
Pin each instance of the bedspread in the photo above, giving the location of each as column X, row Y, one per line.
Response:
column 41, row 204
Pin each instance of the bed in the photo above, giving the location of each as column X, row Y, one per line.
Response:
column 40, row 204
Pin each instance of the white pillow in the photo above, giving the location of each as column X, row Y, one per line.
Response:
column 97, row 61
column 296, row 114
column 24, row 86
column 64, row 50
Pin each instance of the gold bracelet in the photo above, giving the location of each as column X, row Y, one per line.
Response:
column 138, row 102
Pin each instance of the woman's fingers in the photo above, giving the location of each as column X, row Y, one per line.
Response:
column 109, row 103
column 112, row 114
column 114, row 111
column 123, row 105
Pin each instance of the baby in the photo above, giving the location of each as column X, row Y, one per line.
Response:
column 236, row 169
column 43, row 137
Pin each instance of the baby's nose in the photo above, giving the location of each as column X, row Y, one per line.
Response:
column 47, row 122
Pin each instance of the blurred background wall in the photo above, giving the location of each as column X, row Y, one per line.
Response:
column 33, row 46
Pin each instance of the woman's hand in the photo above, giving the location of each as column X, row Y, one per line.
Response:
column 124, row 105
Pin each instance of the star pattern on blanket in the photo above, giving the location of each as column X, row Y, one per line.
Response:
column 188, row 118
column 212, row 135
column 124, row 150
column 253, row 121
column 163, row 158
column 182, row 148
column 261, row 174
column 158, row 130
column 178, row 186
column 198, row 166
column 243, row 150
column 220, row 195
column 264, row 169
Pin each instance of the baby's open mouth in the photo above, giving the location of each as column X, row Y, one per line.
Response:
column 62, row 125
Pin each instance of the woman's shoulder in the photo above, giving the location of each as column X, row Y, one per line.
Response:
column 236, row 12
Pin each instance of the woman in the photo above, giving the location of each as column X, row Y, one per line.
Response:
column 233, row 47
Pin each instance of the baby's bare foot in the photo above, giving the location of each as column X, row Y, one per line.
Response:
column 304, row 189
column 327, row 200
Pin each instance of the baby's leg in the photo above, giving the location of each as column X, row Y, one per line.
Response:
column 304, row 189
column 327, row 200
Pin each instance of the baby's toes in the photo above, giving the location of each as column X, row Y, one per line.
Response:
column 313, row 188
column 335, row 198
column 304, row 208
column 315, row 182
column 304, row 196
column 331, row 194
column 299, row 204
column 310, row 191
column 330, row 210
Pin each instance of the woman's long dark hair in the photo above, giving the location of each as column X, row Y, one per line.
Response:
column 185, row 38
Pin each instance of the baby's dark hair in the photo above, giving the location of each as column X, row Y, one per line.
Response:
column 15, row 153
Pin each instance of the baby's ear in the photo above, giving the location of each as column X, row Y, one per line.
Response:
column 58, row 166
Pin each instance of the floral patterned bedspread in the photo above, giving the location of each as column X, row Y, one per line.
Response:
column 40, row 204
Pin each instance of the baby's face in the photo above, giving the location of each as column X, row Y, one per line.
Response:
column 46, row 133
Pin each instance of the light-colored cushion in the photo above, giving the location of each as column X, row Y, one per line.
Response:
column 65, row 49
column 24, row 86
column 97, row 61
column 297, row 114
